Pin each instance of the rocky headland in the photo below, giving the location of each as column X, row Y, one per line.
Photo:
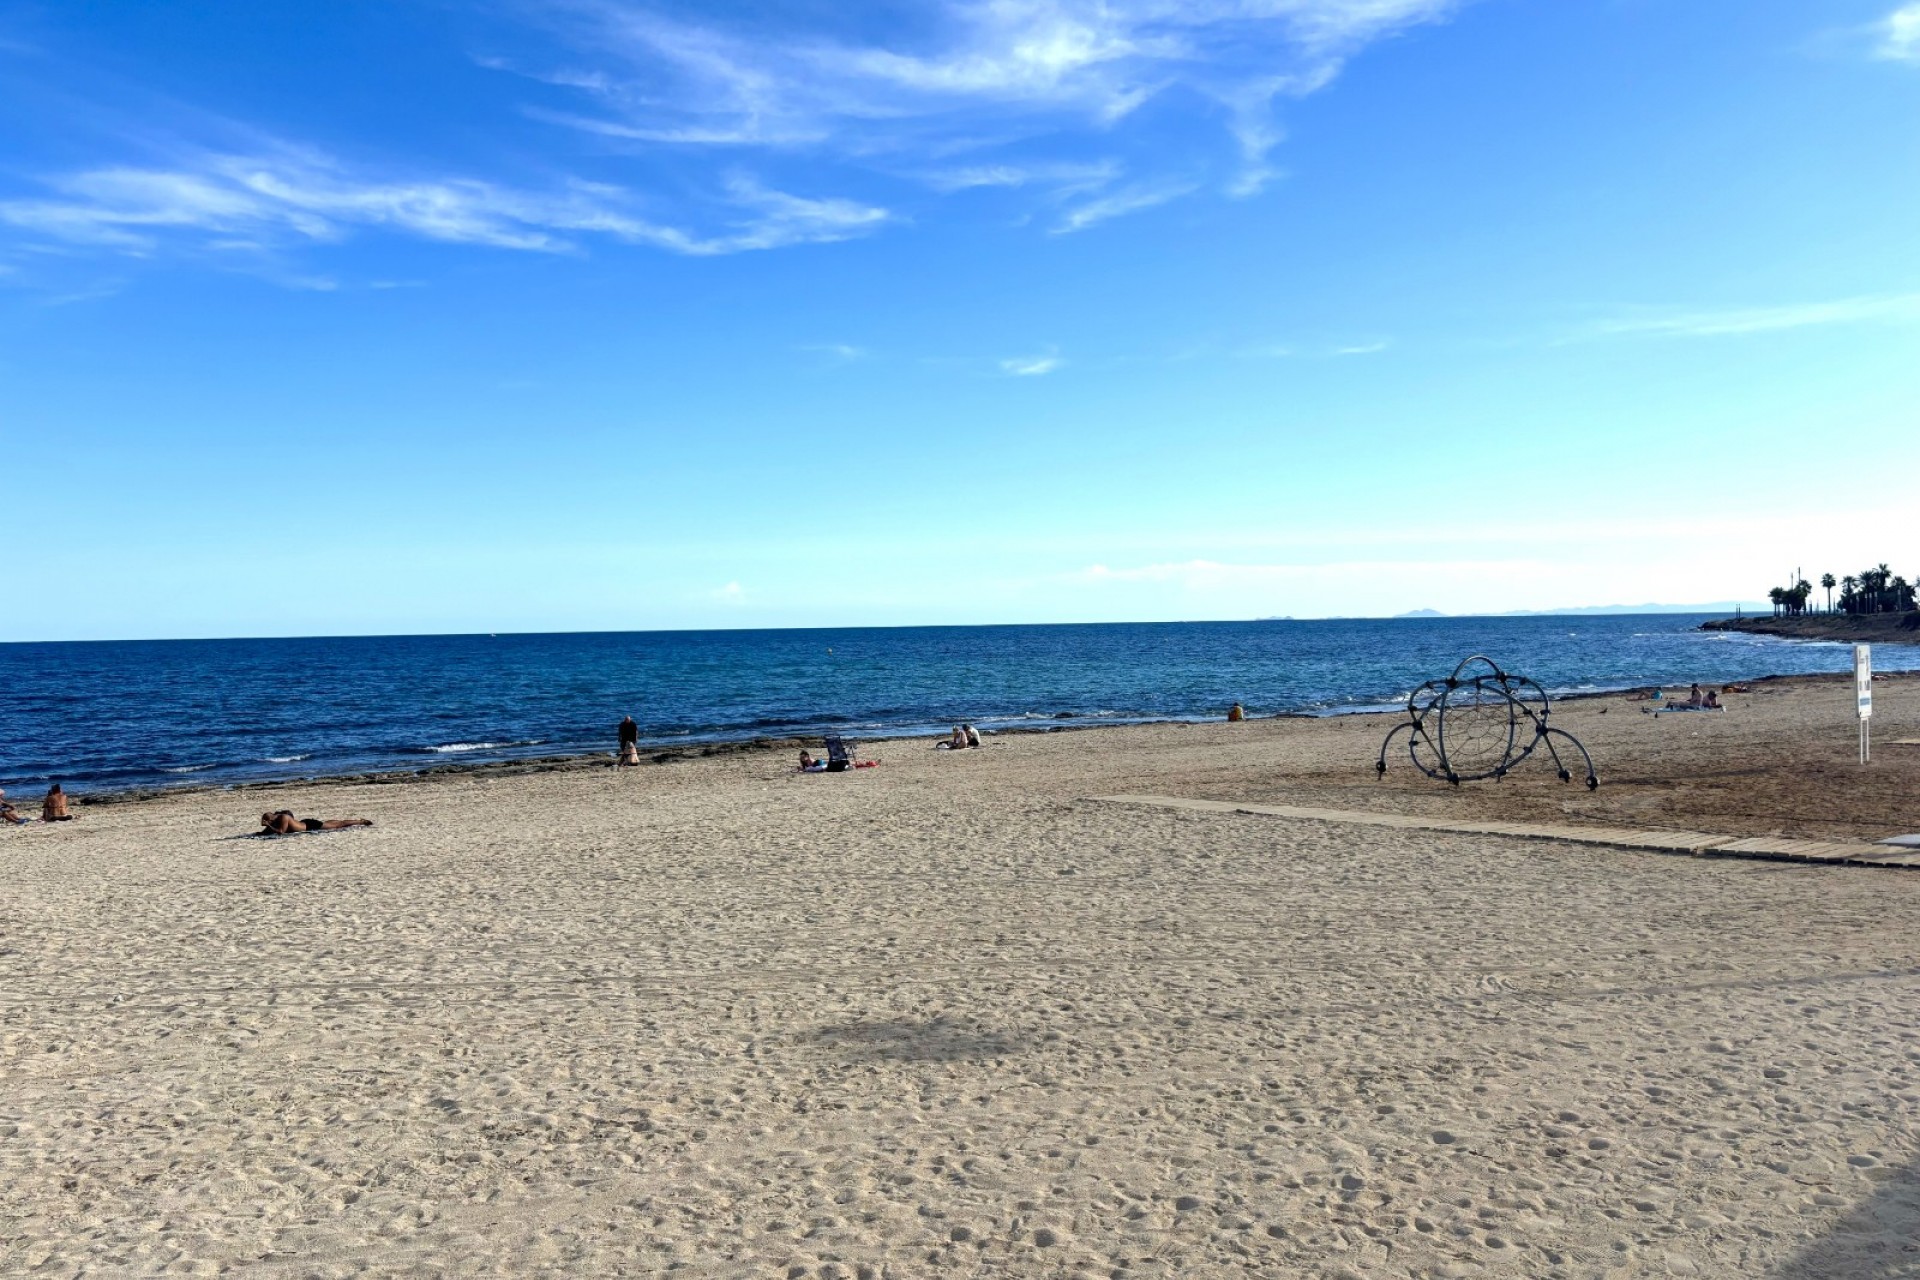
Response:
column 1864, row 628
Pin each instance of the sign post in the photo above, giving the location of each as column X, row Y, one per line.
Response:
column 1863, row 696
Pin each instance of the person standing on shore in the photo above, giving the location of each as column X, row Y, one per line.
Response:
column 629, row 742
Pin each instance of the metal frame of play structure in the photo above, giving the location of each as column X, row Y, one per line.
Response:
column 1499, row 719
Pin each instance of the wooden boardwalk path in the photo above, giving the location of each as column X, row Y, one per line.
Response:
column 1697, row 843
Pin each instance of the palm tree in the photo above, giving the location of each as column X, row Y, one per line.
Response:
column 1850, row 594
column 1826, row 580
column 1869, row 591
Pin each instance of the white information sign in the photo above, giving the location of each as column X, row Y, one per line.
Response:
column 1863, row 697
column 1863, row 678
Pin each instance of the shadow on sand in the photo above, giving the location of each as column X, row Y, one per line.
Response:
column 1878, row 1239
column 917, row 1040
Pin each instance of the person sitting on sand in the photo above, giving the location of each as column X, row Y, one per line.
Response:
column 283, row 823
column 973, row 735
column 11, row 815
column 1711, row 702
column 1236, row 713
column 956, row 741
column 54, row 807
column 1693, row 696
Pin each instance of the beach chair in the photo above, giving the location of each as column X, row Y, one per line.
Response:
column 839, row 754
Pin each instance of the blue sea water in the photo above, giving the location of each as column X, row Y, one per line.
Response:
column 113, row 715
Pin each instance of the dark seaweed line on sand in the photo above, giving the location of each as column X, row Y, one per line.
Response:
column 675, row 755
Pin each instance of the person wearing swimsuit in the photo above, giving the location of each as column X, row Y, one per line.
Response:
column 283, row 823
column 54, row 807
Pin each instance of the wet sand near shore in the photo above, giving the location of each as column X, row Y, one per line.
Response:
column 948, row 1016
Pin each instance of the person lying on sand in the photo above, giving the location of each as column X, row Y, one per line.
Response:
column 810, row 763
column 283, row 823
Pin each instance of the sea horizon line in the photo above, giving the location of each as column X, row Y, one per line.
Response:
column 1417, row 615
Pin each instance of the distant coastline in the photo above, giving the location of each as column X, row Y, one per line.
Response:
column 1865, row 628
column 1578, row 611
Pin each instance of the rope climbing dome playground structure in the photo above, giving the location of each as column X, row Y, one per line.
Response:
column 1478, row 723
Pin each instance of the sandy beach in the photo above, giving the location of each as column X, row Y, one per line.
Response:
column 956, row 1016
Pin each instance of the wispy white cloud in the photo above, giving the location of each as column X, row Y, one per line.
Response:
column 1734, row 322
column 90, row 293
column 1060, row 71
column 1117, row 204
column 311, row 283
column 1057, row 179
column 1899, row 35
column 841, row 351
column 777, row 219
column 253, row 203
column 1310, row 351
column 1033, row 97
column 1030, row 366
column 238, row 196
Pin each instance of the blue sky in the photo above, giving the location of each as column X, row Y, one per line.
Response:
column 417, row 315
